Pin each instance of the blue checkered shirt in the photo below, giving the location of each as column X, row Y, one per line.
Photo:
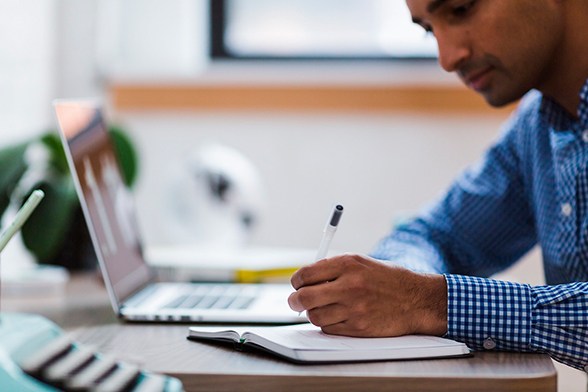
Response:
column 531, row 187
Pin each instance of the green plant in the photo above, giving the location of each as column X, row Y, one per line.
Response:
column 56, row 232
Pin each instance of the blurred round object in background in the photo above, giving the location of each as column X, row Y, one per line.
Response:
column 215, row 198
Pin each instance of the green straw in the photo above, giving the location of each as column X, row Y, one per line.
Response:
column 21, row 217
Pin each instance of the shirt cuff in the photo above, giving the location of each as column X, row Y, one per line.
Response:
column 489, row 314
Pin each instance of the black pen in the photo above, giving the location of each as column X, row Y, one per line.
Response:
column 329, row 232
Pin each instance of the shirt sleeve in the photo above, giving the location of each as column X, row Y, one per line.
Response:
column 482, row 224
column 488, row 314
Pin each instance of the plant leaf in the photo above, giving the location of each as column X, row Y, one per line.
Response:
column 57, row 156
column 126, row 154
column 13, row 167
column 45, row 230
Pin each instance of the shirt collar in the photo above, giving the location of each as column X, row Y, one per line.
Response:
column 559, row 118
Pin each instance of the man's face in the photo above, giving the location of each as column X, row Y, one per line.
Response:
column 499, row 48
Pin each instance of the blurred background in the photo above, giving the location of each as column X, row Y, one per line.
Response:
column 328, row 102
column 335, row 102
column 297, row 104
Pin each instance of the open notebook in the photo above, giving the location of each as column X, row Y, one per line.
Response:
column 307, row 343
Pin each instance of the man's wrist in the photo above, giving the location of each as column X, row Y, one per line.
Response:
column 432, row 309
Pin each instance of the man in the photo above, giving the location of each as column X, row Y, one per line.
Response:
column 531, row 187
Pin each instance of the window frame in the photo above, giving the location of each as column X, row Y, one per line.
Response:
column 218, row 49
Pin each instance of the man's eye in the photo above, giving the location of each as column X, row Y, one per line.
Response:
column 428, row 29
column 463, row 9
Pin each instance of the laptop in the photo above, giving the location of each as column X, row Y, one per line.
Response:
column 110, row 215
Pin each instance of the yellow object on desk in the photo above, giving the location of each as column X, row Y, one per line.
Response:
column 272, row 275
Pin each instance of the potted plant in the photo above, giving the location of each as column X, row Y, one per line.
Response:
column 56, row 232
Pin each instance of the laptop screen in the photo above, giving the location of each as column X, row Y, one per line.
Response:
column 107, row 203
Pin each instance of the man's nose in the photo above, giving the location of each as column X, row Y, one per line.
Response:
column 453, row 50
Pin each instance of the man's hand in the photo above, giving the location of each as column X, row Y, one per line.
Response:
column 356, row 295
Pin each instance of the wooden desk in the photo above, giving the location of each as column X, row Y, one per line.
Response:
column 82, row 302
column 210, row 367
column 207, row 367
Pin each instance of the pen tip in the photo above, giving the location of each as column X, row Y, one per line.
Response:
column 336, row 215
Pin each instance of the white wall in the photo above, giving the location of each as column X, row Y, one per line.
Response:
column 151, row 38
column 27, row 67
column 379, row 166
column 78, row 74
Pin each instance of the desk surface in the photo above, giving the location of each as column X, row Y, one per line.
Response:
column 207, row 366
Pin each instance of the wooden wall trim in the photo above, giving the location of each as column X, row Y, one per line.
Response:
column 436, row 99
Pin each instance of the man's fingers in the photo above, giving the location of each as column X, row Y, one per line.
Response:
column 339, row 329
column 310, row 297
column 322, row 271
column 294, row 303
column 342, row 329
column 327, row 315
column 352, row 327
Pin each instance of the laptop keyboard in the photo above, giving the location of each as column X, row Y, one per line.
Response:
column 213, row 297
